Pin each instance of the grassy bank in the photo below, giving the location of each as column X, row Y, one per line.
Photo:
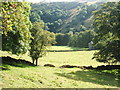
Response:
column 55, row 77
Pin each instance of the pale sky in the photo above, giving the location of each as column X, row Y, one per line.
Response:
column 35, row 1
column 49, row 0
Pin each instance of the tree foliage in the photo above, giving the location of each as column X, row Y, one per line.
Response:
column 62, row 39
column 78, row 39
column 107, row 24
column 81, row 39
column 62, row 17
column 15, row 26
column 40, row 41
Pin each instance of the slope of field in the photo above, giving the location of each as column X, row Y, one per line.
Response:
column 49, row 77
column 55, row 77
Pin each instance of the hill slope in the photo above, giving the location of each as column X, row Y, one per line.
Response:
column 64, row 16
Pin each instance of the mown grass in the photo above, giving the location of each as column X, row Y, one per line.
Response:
column 55, row 77
column 71, row 58
column 66, row 48
column 83, row 58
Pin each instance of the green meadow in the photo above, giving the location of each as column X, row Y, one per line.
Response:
column 55, row 77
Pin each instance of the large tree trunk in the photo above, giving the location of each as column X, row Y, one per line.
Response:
column 36, row 62
column 33, row 61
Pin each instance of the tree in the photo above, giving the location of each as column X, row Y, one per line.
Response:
column 41, row 39
column 34, row 17
column 107, row 22
column 62, row 39
column 81, row 39
column 15, row 26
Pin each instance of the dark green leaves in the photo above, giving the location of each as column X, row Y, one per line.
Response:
column 108, row 33
column 40, row 40
column 15, row 26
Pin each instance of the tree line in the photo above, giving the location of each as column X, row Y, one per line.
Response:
column 77, row 39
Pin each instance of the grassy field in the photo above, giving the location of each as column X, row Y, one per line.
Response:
column 65, row 48
column 55, row 77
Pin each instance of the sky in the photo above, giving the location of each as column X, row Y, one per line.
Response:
column 35, row 1
column 49, row 0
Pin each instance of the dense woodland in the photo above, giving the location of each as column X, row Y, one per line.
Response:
column 72, row 22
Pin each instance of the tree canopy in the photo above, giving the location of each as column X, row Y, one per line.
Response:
column 15, row 26
column 62, row 17
column 40, row 40
column 107, row 25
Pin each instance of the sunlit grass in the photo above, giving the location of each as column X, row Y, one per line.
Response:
column 61, row 58
column 49, row 77
column 65, row 48
column 71, row 58
column 55, row 77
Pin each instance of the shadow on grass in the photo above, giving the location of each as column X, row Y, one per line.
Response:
column 8, row 61
column 92, row 76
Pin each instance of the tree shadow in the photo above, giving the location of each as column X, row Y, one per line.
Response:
column 8, row 61
column 92, row 76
